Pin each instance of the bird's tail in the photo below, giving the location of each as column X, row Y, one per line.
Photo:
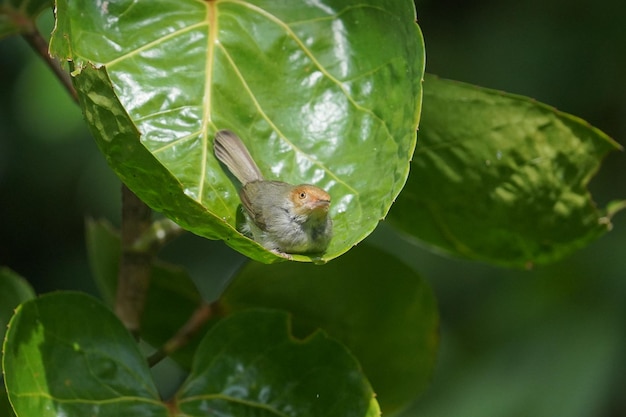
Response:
column 233, row 153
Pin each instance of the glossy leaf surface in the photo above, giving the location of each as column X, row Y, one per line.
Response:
column 18, row 16
column 501, row 178
column 326, row 92
column 379, row 308
column 86, row 366
column 250, row 365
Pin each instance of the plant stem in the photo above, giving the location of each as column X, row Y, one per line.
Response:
column 160, row 233
column 199, row 317
column 40, row 46
column 141, row 237
column 135, row 265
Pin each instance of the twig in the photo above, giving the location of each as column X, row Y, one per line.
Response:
column 141, row 238
column 40, row 46
column 199, row 317
column 158, row 235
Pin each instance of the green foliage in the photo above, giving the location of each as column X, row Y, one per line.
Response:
column 170, row 286
column 249, row 364
column 348, row 300
column 55, row 366
column 325, row 92
column 326, row 95
column 501, row 178
column 13, row 291
column 240, row 368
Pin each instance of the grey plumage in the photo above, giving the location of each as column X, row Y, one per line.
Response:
column 282, row 217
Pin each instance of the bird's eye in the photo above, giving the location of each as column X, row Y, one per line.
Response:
column 302, row 195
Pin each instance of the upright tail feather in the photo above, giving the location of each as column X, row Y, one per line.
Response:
column 233, row 153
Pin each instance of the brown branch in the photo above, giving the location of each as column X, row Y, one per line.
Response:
column 184, row 335
column 40, row 46
column 141, row 238
column 158, row 235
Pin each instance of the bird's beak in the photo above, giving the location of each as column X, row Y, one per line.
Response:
column 321, row 205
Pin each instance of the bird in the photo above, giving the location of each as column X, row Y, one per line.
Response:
column 284, row 218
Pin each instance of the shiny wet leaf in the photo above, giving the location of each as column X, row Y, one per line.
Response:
column 248, row 363
column 326, row 92
column 501, row 178
column 66, row 354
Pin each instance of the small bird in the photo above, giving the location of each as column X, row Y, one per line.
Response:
column 284, row 218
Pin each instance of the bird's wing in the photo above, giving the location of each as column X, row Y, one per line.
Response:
column 253, row 207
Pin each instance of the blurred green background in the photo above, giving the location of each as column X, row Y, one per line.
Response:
column 549, row 342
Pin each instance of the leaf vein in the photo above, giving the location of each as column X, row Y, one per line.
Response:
column 149, row 45
column 313, row 59
column 276, row 129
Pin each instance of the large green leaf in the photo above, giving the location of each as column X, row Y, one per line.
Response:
column 66, row 354
column 379, row 308
column 18, row 16
column 501, row 178
column 324, row 92
column 250, row 365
